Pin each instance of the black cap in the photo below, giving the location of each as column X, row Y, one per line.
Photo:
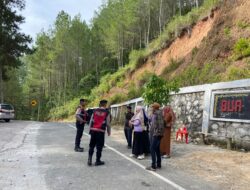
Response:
column 129, row 107
column 82, row 100
column 103, row 102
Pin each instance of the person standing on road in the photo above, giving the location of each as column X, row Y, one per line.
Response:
column 156, row 132
column 169, row 118
column 99, row 123
column 128, row 130
column 81, row 118
column 146, row 142
column 138, row 122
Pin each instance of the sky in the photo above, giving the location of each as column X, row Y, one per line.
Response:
column 41, row 14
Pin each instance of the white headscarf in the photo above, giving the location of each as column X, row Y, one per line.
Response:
column 138, row 115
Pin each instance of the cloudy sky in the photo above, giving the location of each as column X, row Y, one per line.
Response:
column 41, row 14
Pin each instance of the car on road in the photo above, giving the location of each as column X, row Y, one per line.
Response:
column 7, row 112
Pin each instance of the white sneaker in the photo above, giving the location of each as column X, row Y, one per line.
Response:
column 132, row 155
column 165, row 156
column 141, row 157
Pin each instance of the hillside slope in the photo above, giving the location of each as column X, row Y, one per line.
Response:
column 203, row 53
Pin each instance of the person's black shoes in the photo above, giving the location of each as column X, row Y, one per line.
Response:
column 150, row 168
column 79, row 149
column 158, row 167
column 90, row 161
column 99, row 163
column 129, row 147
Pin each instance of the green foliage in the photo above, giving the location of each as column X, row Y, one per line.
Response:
column 65, row 110
column 236, row 73
column 175, row 26
column 144, row 78
column 194, row 52
column 209, row 73
column 157, row 90
column 173, row 65
column 242, row 48
column 13, row 42
column 243, row 25
column 227, row 31
column 117, row 98
column 137, row 58
column 87, row 83
column 134, row 91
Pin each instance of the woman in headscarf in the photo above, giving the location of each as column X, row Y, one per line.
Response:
column 138, row 122
column 169, row 118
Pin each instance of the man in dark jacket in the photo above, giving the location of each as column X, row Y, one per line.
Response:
column 81, row 118
column 156, row 132
column 99, row 123
column 128, row 130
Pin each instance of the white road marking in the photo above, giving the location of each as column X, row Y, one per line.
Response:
column 168, row 181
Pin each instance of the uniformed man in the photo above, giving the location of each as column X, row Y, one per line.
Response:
column 99, row 123
column 81, row 118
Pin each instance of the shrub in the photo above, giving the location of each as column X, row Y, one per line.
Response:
column 157, row 90
column 236, row 73
column 87, row 83
column 144, row 78
column 243, row 24
column 242, row 48
column 134, row 92
column 173, row 65
column 227, row 31
column 64, row 111
column 117, row 98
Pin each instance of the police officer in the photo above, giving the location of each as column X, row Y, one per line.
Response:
column 81, row 117
column 99, row 123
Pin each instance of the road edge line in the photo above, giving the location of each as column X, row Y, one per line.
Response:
column 173, row 184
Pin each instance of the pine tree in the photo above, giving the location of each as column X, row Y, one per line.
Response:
column 12, row 42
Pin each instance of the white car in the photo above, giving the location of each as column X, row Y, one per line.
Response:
column 7, row 112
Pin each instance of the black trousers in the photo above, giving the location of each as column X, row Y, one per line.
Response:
column 155, row 151
column 146, row 143
column 128, row 134
column 96, row 140
column 79, row 132
column 138, row 147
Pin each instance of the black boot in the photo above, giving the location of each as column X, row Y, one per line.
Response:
column 78, row 149
column 99, row 163
column 90, row 161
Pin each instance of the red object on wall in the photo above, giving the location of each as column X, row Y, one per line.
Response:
column 182, row 131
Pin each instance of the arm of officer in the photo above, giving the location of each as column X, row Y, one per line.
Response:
column 91, row 120
column 108, row 125
column 78, row 113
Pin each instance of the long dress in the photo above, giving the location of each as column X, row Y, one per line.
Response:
column 138, row 147
column 165, row 146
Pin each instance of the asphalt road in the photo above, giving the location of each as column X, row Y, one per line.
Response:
column 40, row 156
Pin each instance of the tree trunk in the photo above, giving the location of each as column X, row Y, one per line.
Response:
column 180, row 7
column 149, row 23
column 160, row 16
column 197, row 3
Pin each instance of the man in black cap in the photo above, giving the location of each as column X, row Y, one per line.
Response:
column 128, row 130
column 99, row 123
column 81, row 118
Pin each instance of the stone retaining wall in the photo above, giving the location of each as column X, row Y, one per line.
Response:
column 188, row 109
column 192, row 108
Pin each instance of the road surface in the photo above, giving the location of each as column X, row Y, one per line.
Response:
column 40, row 156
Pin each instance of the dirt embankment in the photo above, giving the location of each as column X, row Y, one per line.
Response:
column 212, row 38
column 178, row 50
